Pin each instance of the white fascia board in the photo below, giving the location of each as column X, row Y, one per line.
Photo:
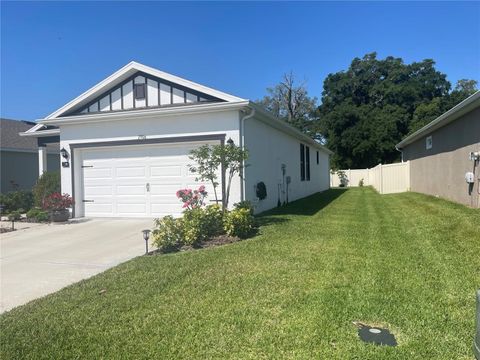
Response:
column 49, row 151
column 135, row 114
column 281, row 125
column 35, row 128
column 454, row 113
column 186, row 83
column 41, row 133
column 129, row 69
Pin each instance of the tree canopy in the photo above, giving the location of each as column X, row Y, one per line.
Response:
column 371, row 106
column 289, row 101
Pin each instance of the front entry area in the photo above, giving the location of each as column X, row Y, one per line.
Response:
column 137, row 180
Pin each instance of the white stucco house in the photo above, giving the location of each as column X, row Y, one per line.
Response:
column 126, row 143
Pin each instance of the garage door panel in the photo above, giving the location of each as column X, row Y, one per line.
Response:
column 98, row 190
column 131, row 190
column 97, row 173
column 97, row 209
column 132, row 208
column 165, row 171
column 130, row 171
column 164, row 189
column 165, row 199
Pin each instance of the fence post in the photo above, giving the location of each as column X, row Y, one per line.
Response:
column 408, row 175
column 381, row 179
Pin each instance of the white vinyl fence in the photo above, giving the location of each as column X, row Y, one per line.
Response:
column 386, row 179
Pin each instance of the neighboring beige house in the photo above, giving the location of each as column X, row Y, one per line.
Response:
column 19, row 156
column 444, row 155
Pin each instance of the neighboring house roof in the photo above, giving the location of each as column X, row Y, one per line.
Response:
column 453, row 114
column 126, row 72
column 9, row 138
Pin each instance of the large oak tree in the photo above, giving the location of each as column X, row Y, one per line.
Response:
column 371, row 106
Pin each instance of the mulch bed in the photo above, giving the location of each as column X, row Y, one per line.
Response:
column 215, row 241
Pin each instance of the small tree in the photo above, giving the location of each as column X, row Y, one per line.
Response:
column 233, row 158
column 209, row 158
column 206, row 167
column 47, row 184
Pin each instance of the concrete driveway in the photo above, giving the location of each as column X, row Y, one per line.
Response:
column 42, row 259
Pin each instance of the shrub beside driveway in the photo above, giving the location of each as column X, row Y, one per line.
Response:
column 405, row 261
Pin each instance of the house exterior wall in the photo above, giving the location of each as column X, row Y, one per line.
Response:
column 21, row 167
column 268, row 149
column 440, row 171
column 224, row 122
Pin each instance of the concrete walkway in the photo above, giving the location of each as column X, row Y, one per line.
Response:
column 42, row 259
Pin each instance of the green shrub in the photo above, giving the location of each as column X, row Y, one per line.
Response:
column 168, row 233
column 16, row 201
column 15, row 215
column 38, row 215
column 245, row 204
column 201, row 224
column 46, row 185
column 214, row 220
column 239, row 222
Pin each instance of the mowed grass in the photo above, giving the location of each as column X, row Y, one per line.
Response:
column 406, row 261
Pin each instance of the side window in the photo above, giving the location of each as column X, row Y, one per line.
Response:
column 307, row 155
column 139, row 91
column 302, row 162
column 318, row 158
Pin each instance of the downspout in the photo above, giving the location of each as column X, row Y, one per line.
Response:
column 242, row 145
column 400, row 151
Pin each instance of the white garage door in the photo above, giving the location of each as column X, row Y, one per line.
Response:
column 137, row 181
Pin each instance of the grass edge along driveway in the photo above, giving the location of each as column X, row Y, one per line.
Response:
column 406, row 261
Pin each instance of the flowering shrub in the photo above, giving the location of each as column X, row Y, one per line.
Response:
column 201, row 223
column 192, row 198
column 57, row 201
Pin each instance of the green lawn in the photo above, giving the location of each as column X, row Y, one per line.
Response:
column 406, row 261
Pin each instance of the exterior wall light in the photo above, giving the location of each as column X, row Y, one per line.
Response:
column 230, row 142
column 146, row 236
column 64, row 153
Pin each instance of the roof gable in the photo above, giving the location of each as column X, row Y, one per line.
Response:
column 116, row 92
column 467, row 105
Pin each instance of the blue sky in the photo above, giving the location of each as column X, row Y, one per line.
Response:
column 53, row 51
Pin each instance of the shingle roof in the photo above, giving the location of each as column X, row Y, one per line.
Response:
column 470, row 103
column 9, row 138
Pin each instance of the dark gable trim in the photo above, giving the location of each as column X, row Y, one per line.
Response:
column 178, row 139
column 146, row 92
column 43, row 141
column 133, row 93
column 147, row 76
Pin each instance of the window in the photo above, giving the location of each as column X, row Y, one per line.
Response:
column 307, row 155
column 318, row 158
column 139, row 91
column 302, row 162
column 428, row 142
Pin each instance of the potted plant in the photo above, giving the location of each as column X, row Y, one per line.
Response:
column 57, row 205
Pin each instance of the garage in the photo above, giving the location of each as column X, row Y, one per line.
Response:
column 136, row 181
